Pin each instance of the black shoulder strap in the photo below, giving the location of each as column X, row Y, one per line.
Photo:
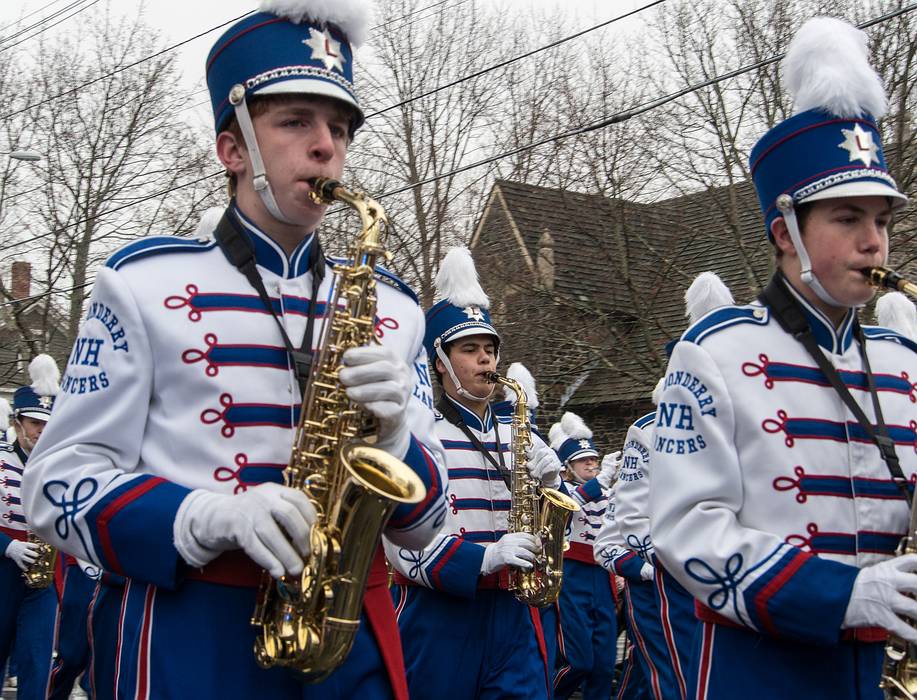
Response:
column 791, row 318
column 240, row 252
column 451, row 414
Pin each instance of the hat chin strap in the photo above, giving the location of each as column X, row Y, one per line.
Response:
column 259, row 176
column 785, row 205
column 440, row 353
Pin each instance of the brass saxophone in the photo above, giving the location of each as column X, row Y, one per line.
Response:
column 40, row 573
column 899, row 670
column 308, row 623
column 536, row 510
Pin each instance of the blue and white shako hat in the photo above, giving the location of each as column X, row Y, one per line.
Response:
column 571, row 439
column 461, row 309
column 294, row 47
column 36, row 400
column 831, row 147
column 521, row 374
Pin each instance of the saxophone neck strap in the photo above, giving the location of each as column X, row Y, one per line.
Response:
column 786, row 310
column 451, row 414
column 239, row 251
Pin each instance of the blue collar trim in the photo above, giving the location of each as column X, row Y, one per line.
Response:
column 269, row 255
column 472, row 420
column 834, row 340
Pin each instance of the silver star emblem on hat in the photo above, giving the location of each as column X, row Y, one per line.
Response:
column 858, row 142
column 474, row 313
column 584, row 444
column 325, row 49
column 45, row 401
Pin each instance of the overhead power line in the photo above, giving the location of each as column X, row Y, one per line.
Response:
column 88, row 83
column 25, row 17
column 46, row 28
column 616, row 118
column 25, row 30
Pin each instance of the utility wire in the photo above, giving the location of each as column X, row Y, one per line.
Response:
column 160, row 53
column 616, row 118
column 25, row 30
column 25, row 17
column 44, row 29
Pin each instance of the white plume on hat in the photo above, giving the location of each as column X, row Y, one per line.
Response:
column 457, row 280
column 208, row 223
column 521, row 374
column 896, row 312
column 706, row 293
column 657, row 391
column 5, row 412
column 45, row 375
column 827, row 67
column 351, row 16
column 570, row 426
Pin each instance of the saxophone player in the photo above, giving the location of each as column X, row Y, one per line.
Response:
column 783, row 444
column 26, row 614
column 459, row 623
column 192, row 360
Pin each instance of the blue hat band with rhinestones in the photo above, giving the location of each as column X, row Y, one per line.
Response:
column 272, row 55
column 446, row 322
column 573, row 448
column 815, row 155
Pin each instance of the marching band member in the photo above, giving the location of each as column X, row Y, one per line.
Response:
column 588, row 626
column 648, row 670
column 451, row 596
column 187, row 365
column 27, row 614
column 71, row 636
column 784, row 438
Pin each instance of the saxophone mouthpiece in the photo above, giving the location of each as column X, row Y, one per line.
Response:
column 323, row 188
column 492, row 377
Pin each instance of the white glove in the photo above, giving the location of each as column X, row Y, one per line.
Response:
column 381, row 382
column 647, row 571
column 23, row 553
column 544, row 464
column 610, row 464
column 513, row 549
column 878, row 598
column 208, row 523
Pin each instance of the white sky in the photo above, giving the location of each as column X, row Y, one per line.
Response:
column 179, row 20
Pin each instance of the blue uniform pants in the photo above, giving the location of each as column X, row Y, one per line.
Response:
column 455, row 648
column 550, row 628
column 196, row 642
column 765, row 668
column 679, row 626
column 589, row 632
column 645, row 631
column 71, row 644
column 26, row 621
column 633, row 684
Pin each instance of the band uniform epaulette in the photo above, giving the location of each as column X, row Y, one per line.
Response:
column 879, row 333
column 383, row 276
column 156, row 245
column 646, row 420
column 725, row 317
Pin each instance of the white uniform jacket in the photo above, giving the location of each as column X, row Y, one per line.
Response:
column 767, row 495
column 477, row 511
column 582, row 527
column 180, row 380
column 13, row 524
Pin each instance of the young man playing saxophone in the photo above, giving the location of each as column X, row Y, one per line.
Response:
column 784, row 441
column 459, row 623
column 192, row 378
